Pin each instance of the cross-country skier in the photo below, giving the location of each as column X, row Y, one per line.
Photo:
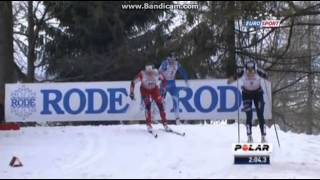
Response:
column 169, row 68
column 252, row 92
column 150, row 90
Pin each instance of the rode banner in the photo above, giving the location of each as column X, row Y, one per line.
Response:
column 108, row 101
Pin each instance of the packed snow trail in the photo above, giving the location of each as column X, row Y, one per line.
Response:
column 130, row 152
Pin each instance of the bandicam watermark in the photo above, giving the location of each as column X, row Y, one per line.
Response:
column 161, row 6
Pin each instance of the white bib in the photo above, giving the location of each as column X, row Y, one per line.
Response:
column 251, row 83
column 150, row 80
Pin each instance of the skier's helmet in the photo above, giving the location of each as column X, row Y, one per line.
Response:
column 251, row 66
column 149, row 68
column 172, row 57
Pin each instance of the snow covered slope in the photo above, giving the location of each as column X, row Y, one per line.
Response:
column 129, row 152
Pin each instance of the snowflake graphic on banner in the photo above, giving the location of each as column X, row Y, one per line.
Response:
column 23, row 102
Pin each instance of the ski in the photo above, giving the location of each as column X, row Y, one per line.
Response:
column 175, row 132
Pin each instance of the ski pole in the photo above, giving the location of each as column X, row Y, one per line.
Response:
column 274, row 123
column 238, row 114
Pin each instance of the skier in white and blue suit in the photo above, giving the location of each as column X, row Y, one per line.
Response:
column 169, row 68
column 252, row 92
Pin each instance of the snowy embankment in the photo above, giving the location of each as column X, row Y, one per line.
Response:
column 130, row 152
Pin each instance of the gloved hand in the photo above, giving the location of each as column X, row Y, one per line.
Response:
column 132, row 96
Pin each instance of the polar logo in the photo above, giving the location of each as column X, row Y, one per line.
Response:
column 252, row 149
column 23, row 102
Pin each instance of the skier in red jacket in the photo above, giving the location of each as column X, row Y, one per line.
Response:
column 150, row 90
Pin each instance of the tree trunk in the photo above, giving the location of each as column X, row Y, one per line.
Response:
column 310, row 92
column 230, row 39
column 6, row 51
column 31, row 42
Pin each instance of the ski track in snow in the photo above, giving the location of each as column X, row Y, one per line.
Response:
column 130, row 152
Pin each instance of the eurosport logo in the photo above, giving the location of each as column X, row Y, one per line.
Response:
column 252, row 149
column 262, row 23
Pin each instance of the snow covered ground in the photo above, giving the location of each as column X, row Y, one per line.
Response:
column 129, row 152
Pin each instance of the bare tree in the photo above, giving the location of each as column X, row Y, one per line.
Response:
column 6, row 50
column 30, row 20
